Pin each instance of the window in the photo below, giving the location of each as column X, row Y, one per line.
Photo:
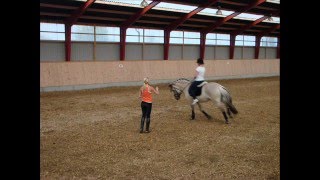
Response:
column 153, row 36
column 176, row 37
column 269, row 42
column 242, row 40
column 52, row 31
column 217, row 39
column 56, row 32
column 211, row 39
column 107, row 34
column 191, row 38
column 249, row 40
column 134, row 35
column 144, row 35
column 223, row 39
column 82, row 33
column 239, row 40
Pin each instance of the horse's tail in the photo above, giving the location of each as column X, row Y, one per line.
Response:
column 226, row 98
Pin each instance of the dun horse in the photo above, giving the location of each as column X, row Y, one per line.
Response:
column 212, row 91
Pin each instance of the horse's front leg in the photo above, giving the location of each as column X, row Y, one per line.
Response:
column 205, row 113
column 192, row 112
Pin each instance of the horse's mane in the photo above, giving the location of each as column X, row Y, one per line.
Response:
column 181, row 80
column 180, row 83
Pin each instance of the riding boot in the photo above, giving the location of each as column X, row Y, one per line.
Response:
column 147, row 125
column 195, row 100
column 142, row 124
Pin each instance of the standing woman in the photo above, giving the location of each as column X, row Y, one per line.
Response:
column 146, row 103
column 198, row 79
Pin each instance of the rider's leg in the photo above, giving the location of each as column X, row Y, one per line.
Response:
column 192, row 92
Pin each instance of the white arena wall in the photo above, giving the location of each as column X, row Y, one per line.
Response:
column 78, row 75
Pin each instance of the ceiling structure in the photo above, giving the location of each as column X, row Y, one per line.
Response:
column 114, row 14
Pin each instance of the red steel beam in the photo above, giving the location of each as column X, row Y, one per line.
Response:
column 77, row 13
column 56, row 6
column 123, row 33
column 139, row 14
column 248, row 26
column 224, row 20
column 278, row 48
column 67, row 42
column 202, row 44
column 178, row 22
column 257, row 47
column 232, row 46
column 166, row 44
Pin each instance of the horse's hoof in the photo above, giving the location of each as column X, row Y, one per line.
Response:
column 227, row 122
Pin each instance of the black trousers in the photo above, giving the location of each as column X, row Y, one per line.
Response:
column 193, row 88
column 146, row 109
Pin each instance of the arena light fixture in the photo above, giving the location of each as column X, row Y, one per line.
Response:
column 270, row 18
column 144, row 3
column 219, row 12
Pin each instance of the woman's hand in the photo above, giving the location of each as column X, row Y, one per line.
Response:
column 156, row 90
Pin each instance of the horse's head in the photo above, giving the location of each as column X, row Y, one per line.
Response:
column 176, row 91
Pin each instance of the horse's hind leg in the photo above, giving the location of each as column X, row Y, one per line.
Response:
column 192, row 113
column 229, row 113
column 225, row 117
column 205, row 113
column 223, row 108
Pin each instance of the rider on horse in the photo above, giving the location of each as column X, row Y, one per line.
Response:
column 198, row 79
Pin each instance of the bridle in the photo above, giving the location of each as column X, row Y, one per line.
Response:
column 177, row 91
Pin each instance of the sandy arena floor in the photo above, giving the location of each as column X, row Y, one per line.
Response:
column 94, row 134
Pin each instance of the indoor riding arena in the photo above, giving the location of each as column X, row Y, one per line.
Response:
column 94, row 56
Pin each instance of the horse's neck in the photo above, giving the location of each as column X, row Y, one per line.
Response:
column 183, row 86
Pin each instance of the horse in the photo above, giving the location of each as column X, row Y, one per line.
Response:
column 211, row 91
